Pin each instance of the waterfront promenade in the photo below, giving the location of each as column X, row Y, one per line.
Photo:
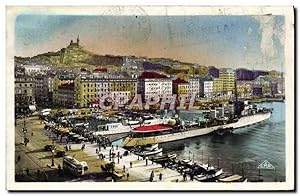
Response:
column 34, row 163
column 140, row 170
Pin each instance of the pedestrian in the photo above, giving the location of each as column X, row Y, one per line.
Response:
column 127, row 175
column 38, row 172
column 27, row 171
column 146, row 161
column 151, row 176
column 130, row 164
column 69, row 147
column 59, row 168
column 124, row 168
column 117, row 147
column 19, row 158
column 184, row 176
column 96, row 150
column 31, row 133
column 118, row 160
column 160, row 176
column 192, row 177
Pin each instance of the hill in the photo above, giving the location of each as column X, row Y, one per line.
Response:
column 70, row 57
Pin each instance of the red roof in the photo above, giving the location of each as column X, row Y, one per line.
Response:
column 152, row 128
column 96, row 102
column 67, row 86
column 152, row 75
column 100, row 69
column 179, row 81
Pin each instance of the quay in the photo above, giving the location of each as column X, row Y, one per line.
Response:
column 36, row 160
column 140, row 171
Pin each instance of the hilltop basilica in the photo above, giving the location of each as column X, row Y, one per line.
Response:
column 72, row 44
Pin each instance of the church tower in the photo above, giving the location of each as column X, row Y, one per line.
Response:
column 78, row 40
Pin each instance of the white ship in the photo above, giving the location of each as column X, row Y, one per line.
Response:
column 144, row 135
column 119, row 128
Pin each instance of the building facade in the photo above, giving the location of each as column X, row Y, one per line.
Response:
column 48, row 88
column 65, row 93
column 208, row 88
column 180, row 87
column 43, row 89
column 151, row 84
column 39, row 89
column 85, row 90
column 244, row 88
column 218, row 86
column 57, row 81
column 227, row 76
column 194, row 86
column 89, row 88
column 35, row 69
column 24, row 93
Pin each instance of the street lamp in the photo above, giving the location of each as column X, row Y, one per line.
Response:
column 52, row 151
column 25, row 132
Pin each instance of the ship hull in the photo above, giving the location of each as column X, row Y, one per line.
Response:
column 242, row 122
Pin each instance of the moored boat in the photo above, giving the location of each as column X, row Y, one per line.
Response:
column 166, row 133
column 163, row 158
column 233, row 178
column 209, row 175
column 145, row 153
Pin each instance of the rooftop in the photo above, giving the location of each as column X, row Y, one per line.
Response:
column 151, row 75
column 67, row 86
column 100, row 69
column 180, row 81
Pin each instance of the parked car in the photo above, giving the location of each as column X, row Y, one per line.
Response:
column 85, row 165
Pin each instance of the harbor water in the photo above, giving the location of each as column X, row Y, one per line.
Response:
column 241, row 152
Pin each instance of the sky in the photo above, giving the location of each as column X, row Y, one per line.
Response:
column 253, row 42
